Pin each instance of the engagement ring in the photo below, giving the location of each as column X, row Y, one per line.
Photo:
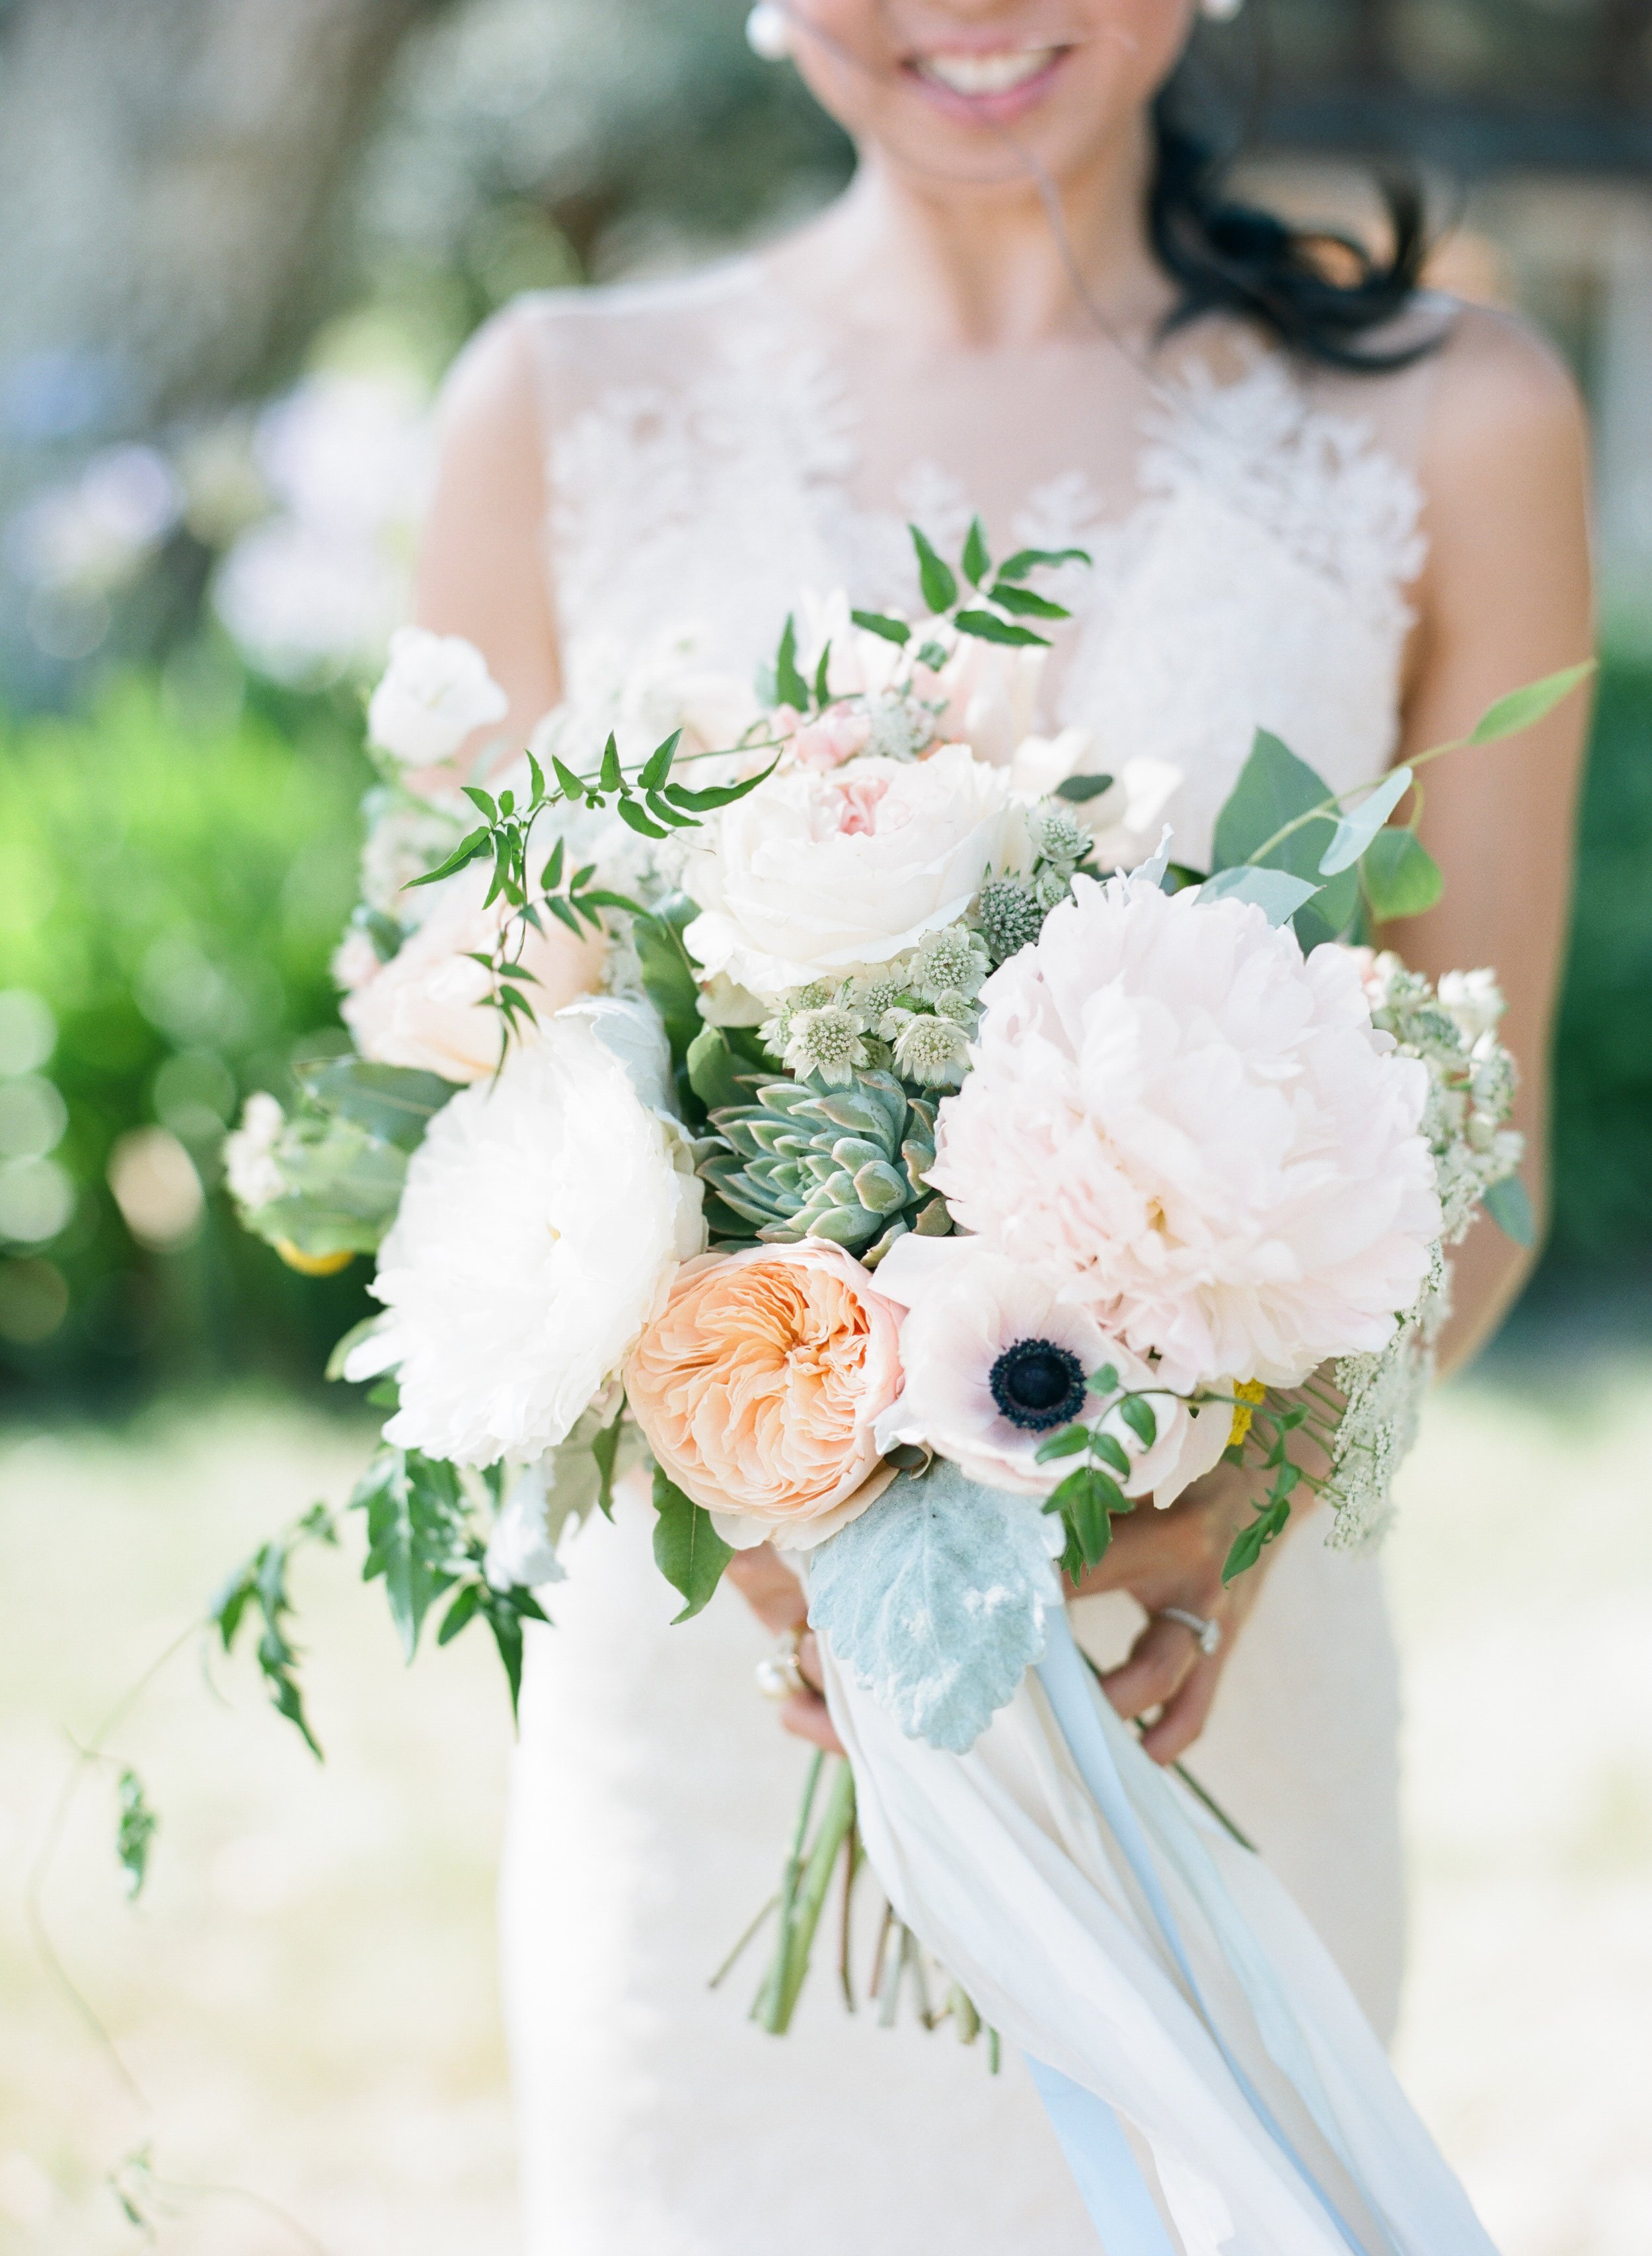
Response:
column 1207, row 1633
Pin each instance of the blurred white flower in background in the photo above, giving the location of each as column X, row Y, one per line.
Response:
column 156, row 1187
column 435, row 690
column 94, row 534
column 250, row 1165
column 315, row 590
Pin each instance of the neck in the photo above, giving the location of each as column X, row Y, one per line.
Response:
column 951, row 267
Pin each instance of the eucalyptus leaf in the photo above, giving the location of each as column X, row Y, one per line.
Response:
column 1509, row 1205
column 935, row 1599
column 1276, row 892
column 1400, row 877
column 395, row 1103
column 1523, row 708
column 1077, row 789
column 1356, row 830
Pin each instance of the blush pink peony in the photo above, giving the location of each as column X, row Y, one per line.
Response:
column 428, row 1007
column 1200, row 1132
column 759, row 1386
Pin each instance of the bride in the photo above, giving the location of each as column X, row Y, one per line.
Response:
column 1315, row 500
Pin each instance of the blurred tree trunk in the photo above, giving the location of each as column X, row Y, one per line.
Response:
column 167, row 173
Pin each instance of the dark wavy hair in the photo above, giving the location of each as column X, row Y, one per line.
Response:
column 1321, row 293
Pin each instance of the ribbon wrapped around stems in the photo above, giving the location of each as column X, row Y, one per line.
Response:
column 1157, row 1975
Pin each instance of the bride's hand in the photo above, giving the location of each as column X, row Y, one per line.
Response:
column 1174, row 1558
column 776, row 1597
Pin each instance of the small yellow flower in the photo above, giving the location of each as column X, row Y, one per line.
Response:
column 1250, row 1392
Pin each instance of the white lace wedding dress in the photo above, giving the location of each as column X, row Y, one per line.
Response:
column 709, row 455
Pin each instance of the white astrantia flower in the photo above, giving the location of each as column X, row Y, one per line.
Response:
column 435, row 691
column 544, row 1217
column 1200, row 1130
column 250, row 1164
column 820, row 874
column 994, row 1360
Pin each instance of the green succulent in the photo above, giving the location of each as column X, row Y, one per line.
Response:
column 847, row 1164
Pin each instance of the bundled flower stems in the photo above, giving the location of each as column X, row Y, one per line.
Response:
column 850, row 1104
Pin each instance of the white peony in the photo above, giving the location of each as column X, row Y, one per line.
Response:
column 435, row 691
column 543, row 1221
column 1201, row 1131
column 428, row 1006
column 814, row 874
column 1123, row 820
column 985, row 1348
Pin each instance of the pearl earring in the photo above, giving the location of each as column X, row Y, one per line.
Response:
column 767, row 31
column 1220, row 11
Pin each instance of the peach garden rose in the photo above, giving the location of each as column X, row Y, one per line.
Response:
column 760, row 1384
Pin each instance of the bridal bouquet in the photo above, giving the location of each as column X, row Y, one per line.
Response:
column 843, row 1098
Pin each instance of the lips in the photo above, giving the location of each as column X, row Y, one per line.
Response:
column 986, row 85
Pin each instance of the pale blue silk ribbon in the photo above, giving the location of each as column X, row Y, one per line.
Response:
column 1091, row 2133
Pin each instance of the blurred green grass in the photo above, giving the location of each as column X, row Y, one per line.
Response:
column 309, row 1989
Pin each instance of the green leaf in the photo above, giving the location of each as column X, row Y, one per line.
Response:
column 605, row 1453
column 789, row 685
column 1355, row 832
column 1104, row 1381
column 482, row 800
column 687, row 1550
column 1076, row 789
column 562, row 911
column 1111, row 1451
column 935, row 579
column 711, row 1069
column 1009, row 598
column 571, row 786
column 1082, row 1500
column 668, row 975
column 977, row 562
column 719, row 794
column 609, row 778
column 1400, row 877
column 632, row 815
column 822, row 671
column 895, row 630
column 1523, row 708
column 932, row 654
column 986, row 626
column 664, row 811
column 1276, row 892
column 473, row 843
column 1067, row 1443
column 135, row 1829
column 1032, row 559
column 551, row 875
column 536, row 779
column 394, row 1103
column 1509, row 1205
column 657, row 766
column 505, row 1622
column 1273, row 789
column 416, row 1521
column 462, row 1613
column 1250, row 1543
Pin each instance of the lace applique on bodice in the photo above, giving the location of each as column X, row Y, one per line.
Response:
column 704, row 463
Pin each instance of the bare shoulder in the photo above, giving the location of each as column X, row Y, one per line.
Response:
column 1504, row 406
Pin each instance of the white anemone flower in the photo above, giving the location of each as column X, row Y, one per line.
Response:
column 994, row 1361
column 544, row 1218
column 1201, row 1130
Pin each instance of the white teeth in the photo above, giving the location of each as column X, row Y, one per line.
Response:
column 994, row 73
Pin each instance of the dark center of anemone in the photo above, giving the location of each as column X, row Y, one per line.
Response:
column 1037, row 1385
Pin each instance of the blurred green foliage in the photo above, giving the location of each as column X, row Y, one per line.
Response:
column 175, row 866
column 1603, row 1064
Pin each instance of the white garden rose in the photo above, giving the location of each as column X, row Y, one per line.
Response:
column 435, row 690
column 544, row 1218
column 428, row 1006
column 1202, row 1130
column 815, row 874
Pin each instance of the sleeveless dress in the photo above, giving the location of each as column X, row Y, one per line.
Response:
column 710, row 455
